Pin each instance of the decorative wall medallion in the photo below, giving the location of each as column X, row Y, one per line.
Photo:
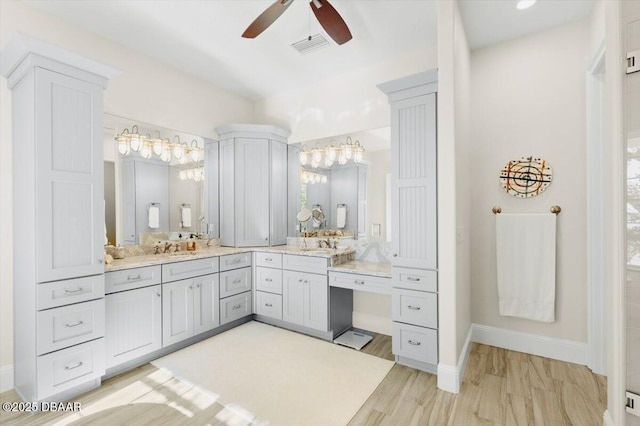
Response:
column 526, row 177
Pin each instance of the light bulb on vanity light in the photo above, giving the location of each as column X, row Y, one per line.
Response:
column 195, row 151
column 123, row 147
column 303, row 155
column 145, row 151
column 158, row 144
column 348, row 148
column 135, row 139
column 177, row 147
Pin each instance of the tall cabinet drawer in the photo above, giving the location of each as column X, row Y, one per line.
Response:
column 69, row 325
column 418, row 343
column 62, row 370
column 59, row 293
column 130, row 279
column 235, row 282
column 269, row 305
column 189, row 269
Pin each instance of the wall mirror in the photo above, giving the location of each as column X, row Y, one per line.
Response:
column 151, row 192
column 352, row 197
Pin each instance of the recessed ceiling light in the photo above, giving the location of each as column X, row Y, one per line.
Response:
column 525, row 4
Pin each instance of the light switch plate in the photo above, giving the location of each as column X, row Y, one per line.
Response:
column 633, row 403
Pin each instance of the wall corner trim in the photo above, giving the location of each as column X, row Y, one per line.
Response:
column 534, row 344
column 450, row 377
column 6, row 378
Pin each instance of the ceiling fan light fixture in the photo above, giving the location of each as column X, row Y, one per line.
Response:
column 525, row 4
column 311, row 44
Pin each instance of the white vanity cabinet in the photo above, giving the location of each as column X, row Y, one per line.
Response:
column 58, row 218
column 236, row 286
column 305, row 296
column 189, row 307
column 252, row 185
column 413, row 219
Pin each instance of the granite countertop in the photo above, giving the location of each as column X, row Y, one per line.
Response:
column 376, row 269
column 131, row 262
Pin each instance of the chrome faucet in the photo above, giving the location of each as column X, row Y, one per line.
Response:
column 326, row 242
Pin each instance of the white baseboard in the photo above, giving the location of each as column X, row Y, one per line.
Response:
column 450, row 377
column 6, row 378
column 548, row 347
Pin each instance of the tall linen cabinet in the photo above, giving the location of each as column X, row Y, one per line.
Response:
column 58, row 218
column 253, row 185
column 414, row 243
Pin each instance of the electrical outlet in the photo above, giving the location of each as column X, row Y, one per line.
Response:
column 633, row 403
column 375, row 229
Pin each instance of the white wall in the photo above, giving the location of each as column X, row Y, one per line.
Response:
column 379, row 167
column 528, row 98
column 453, row 211
column 146, row 91
column 344, row 104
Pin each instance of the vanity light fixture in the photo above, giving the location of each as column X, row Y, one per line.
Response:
column 328, row 155
column 128, row 142
column 525, row 4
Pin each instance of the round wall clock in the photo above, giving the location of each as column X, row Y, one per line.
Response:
column 526, row 177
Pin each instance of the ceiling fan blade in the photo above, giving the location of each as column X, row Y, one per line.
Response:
column 266, row 18
column 331, row 21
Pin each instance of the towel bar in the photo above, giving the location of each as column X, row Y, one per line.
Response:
column 554, row 209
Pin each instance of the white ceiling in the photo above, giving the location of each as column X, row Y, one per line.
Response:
column 203, row 37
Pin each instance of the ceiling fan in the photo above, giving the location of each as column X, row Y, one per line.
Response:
column 328, row 17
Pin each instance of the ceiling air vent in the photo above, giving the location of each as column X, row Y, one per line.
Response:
column 310, row 44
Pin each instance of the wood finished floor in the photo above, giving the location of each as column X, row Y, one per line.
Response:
column 500, row 387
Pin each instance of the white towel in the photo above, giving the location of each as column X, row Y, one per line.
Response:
column 341, row 217
column 526, row 255
column 154, row 217
column 186, row 217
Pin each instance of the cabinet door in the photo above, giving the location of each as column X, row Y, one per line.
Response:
column 293, row 297
column 252, row 192
column 134, row 324
column 316, row 301
column 69, row 182
column 227, row 193
column 278, row 199
column 413, row 186
column 177, row 311
column 206, row 298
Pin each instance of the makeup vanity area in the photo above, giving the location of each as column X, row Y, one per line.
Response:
column 78, row 320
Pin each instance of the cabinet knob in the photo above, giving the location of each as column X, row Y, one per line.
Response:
column 100, row 261
column 158, row 294
column 395, row 254
column 299, row 281
column 191, row 287
column 197, row 285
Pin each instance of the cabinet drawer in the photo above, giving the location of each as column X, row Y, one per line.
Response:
column 270, row 260
column 235, row 282
column 235, row 307
column 314, row 265
column 59, row 293
column 269, row 280
column 269, row 305
column 188, row 269
column 69, row 325
column 70, row 367
column 415, row 279
column 415, row 307
column 130, row 279
column 235, row 261
column 418, row 343
column 360, row 282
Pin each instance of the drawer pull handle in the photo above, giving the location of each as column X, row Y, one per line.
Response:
column 74, row 325
column 236, row 260
column 130, row 278
column 236, row 307
column 268, row 259
column 413, row 279
column 411, row 342
column 358, row 282
column 268, row 305
column 73, row 367
column 197, row 285
column 237, row 281
column 414, row 308
column 75, row 290
column 268, row 280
